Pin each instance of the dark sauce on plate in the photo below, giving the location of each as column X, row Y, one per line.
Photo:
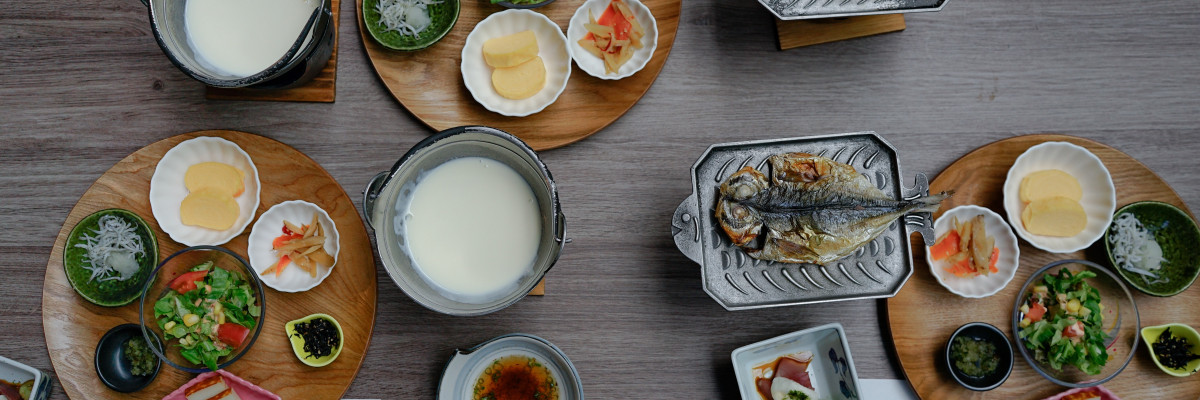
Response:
column 516, row 377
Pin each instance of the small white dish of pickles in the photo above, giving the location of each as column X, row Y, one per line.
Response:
column 516, row 62
column 294, row 246
column 204, row 191
column 1059, row 197
column 952, row 260
column 612, row 39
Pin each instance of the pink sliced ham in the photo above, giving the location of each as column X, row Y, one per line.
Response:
column 795, row 370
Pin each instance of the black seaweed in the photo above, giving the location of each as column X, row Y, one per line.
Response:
column 320, row 337
column 1173, row 351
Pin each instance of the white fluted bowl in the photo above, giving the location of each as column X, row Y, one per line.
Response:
column 167, row 189
column 552, row 48
column 1099, row 196
column 270, row 226
column 983, row 285
column 593, row 65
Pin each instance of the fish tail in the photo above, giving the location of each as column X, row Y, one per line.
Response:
column 930, row 203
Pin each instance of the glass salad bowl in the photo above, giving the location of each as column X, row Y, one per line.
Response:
column 205, row 304
column 1051, row 325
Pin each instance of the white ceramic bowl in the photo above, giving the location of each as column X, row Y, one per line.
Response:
column 167, row 189
column 1007, row 263
column 13, row 371
column 552, row 47
column 831, row 370
column 593, row 65
column 270, row 226
column 1099, row 196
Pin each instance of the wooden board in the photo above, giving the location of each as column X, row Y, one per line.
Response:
column 73, row 325
column 429, row 82
column 924, row 314
column 807, row 32
column 321, row 89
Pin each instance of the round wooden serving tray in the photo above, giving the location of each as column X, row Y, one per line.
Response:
column 73, row 326
column 924, row 314
column 429, row 82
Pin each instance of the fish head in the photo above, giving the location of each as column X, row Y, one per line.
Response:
column 744, row 184
column 741, row 223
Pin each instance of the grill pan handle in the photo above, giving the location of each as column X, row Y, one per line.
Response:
column 921, row 222
column 685, row 227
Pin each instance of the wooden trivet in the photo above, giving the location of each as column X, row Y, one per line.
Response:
column 800, row 33
column 320, row 90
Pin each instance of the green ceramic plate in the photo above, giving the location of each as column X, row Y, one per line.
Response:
column 1179, row 238
column 111, row 293
column 298, row 342
column 443, row 16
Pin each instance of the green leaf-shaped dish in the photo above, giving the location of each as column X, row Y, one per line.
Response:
column 443, row 16
column 111, row 293
column 1150, row 335
column 298, row 342
column 1177, row 234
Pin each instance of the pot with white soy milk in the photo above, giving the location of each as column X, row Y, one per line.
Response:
column 268, row 44
column 467, row 222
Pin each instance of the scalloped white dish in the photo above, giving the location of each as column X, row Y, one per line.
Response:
column 1099, row 196
column 167, row 189
column 552, row 48
column 983, row 285
column 270, row 226
column 593, row 65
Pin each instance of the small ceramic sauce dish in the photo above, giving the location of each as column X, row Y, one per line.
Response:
column 114, row 369
column 1150, row 335
column 298, row 341
column 1004, row 354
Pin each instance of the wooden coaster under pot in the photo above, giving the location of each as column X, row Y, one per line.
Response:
column 801, row 33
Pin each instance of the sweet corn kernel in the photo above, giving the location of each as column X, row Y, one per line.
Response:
column 191, row 319
column 1073, row 306
column 169, row 325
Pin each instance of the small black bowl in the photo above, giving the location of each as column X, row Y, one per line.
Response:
column 112, row 367
column 982, row 331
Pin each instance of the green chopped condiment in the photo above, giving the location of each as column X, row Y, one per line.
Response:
column 140, row 358
column 975, row 358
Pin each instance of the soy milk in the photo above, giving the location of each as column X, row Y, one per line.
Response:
column 472, row 227
column 244, row 37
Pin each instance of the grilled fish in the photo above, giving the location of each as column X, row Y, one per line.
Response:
column 810, row 210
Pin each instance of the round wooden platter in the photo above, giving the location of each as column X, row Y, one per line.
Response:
column 73, row 326
column 924, row 314
column 429, row 82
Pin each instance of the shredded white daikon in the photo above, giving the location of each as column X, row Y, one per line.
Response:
column 407, row 17
column 1135, row 250
column 112, row 252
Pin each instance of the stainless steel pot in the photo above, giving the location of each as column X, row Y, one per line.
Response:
column 386, row 189
column 303, row 61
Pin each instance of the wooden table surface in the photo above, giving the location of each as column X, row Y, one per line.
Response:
column 83, row 86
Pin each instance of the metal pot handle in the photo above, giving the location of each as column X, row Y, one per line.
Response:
column 370, row 193
column 685, row 227
column 921, row 222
